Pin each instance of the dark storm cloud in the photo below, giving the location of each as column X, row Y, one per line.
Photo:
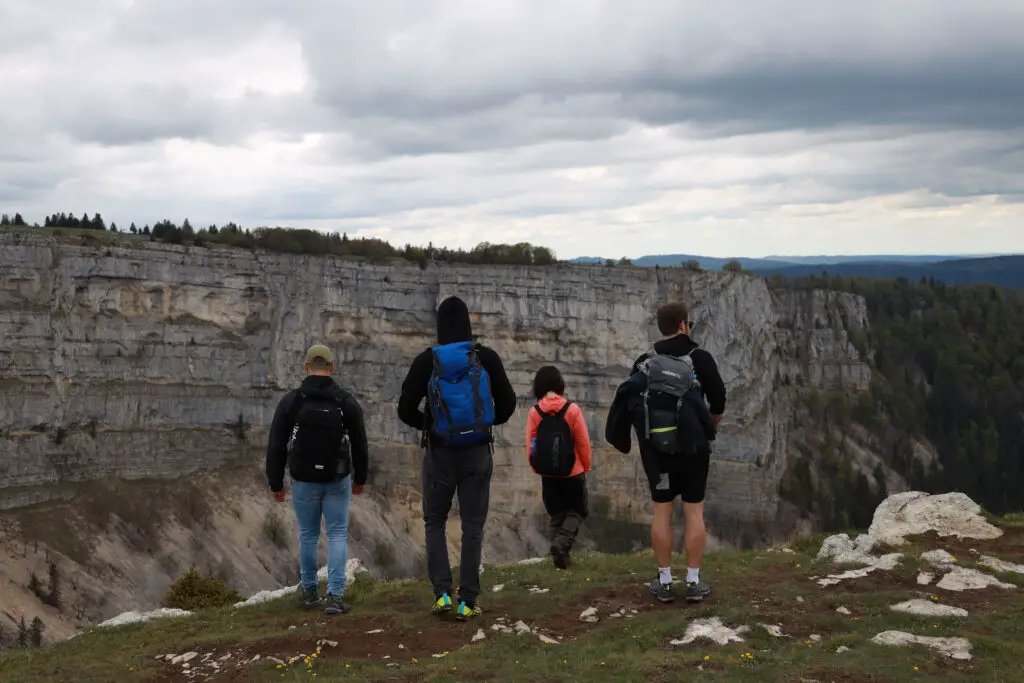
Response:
column 574, row 118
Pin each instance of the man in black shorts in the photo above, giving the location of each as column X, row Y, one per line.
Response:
column 671, row 477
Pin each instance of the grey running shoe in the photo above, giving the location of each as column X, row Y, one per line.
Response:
column 336, row 605
column 661, row 591
column 309, row 596
column 697, row 591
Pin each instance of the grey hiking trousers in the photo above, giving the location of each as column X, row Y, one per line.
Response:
column 467, row 473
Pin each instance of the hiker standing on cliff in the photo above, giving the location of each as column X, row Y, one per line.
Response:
column 558, row 449
column 318, row 431
column 467, row 393
column 663, row 400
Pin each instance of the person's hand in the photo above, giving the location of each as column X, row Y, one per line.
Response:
column 357, row 489
column 278, row 496
column 717, row 419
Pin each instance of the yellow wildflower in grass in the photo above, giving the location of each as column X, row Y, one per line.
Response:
column 707, row 658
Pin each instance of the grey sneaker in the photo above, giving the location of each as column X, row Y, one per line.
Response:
column 697, row 591
column 661, row 591
column 309, row 596
column 336, row 605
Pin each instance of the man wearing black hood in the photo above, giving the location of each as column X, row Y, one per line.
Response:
column 450, row 470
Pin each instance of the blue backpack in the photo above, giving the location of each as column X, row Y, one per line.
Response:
column 459, row 396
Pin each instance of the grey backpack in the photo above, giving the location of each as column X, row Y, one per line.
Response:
column 669, row 378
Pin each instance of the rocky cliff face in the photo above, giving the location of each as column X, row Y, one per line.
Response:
column 140, row 362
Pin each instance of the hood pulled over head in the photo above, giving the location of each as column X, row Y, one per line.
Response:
column 453, row 323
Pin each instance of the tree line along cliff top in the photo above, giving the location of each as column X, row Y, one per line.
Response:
column 297, row 241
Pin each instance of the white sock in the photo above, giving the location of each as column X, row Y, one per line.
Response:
column 665, row 575
column 692, row 575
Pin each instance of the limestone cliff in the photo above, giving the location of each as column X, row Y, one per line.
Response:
column 161, row 365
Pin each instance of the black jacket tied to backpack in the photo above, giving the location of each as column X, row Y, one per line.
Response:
column 316, row 394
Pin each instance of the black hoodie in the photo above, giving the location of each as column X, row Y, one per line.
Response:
column 281, row 428
column 453, row 325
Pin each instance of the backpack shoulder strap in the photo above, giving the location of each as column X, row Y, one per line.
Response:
column 297, row 401
column 564, row 409
column 536, row 406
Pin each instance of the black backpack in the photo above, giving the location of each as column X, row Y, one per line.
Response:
column 553, row 452
column 318, row 448
column 676, row 419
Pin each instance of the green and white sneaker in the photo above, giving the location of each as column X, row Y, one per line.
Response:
column 442, row 605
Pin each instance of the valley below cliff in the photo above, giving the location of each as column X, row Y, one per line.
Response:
column 138, row 381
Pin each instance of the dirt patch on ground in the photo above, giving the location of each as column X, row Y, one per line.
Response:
column 1009, row 546
column 831, row 675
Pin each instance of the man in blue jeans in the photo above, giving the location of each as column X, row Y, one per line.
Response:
column 318, row 431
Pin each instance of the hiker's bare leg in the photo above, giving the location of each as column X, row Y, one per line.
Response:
column 661, row 533
column 695, row 535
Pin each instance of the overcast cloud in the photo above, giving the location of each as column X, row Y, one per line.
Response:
column 595, row 127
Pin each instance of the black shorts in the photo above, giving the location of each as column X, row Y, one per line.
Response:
column 685, row 477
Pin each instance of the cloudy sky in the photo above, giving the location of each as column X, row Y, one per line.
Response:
column 596, row 127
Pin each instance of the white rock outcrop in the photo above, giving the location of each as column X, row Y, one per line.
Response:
column 964, row 579
column 841, row 549
column 353, row 567
column 928, row 608
column 914, row 512
column 711, row 629
column 956, row 648
column 1001, row 565
column 139, row 617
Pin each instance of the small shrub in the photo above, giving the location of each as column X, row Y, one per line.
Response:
column 36, row 631
column 273, row 529
column 193, row 591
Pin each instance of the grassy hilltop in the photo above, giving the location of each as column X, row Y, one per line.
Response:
column 390, row 636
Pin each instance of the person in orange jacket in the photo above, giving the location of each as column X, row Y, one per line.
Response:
column 558, row 448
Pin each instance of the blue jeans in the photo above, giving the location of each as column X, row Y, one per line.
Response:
column 330, row 501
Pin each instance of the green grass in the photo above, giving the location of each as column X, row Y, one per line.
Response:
column 749, row 588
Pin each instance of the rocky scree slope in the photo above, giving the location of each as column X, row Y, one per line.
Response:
column 139, row 382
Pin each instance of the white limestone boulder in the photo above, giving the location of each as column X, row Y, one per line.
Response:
column 914, row 512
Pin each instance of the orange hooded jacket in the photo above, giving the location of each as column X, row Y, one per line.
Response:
column 551, row 404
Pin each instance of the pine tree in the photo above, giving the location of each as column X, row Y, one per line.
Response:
column 5, row 220
column 132, row 229
column 18, row 220
column 53, row 598
column 113, row 227
column 36, row 632
column 22, row 634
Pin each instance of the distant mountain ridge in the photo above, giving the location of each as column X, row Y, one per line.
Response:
column 1001, row 269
